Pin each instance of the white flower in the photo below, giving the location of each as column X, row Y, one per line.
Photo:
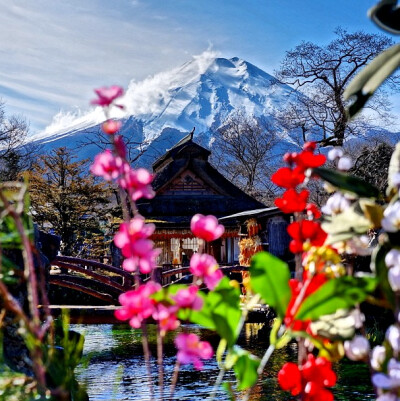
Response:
column 378, row 356
column 335, row 153
column 393, row 337
column 345, row 163
column 391, row 380
column 387, row 397
column 395, row 180
column 392, row 258
column 359, row 246
column 357, row 349
column 394, row 278
column 391, row 220
column 337, row 203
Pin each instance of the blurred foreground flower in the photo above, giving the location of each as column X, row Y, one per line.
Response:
column 107, row 95
column 191, row 349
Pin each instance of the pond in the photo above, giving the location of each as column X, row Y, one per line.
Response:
column 115, row 369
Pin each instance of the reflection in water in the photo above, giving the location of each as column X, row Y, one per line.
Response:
column 116, row 370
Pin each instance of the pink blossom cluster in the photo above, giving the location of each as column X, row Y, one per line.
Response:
column 114, row 167
column 206, row 227
column 204, row 266
column 133, row 240
column 138, row 305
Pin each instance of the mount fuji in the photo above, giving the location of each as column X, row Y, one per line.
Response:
column 161, row 109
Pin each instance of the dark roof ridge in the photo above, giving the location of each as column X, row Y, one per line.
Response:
column 176, row 149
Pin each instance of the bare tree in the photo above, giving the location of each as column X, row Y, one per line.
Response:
column 242, row 151
column 136, row 146
column 322, row 73
column 15, row 153
column 371, row 161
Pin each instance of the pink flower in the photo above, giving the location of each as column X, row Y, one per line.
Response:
column 145, row 261
column 188, row 298
column 137, row 182
column 191, row 349
column 111, row 127
column 137, row 304
column 132, row 239
column 206, row 267
column 165, row 315
column 206, row 227
column 106, row 165
column 107, row 95
column 120, row 146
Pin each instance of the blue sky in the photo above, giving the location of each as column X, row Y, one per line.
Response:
column 53, row 52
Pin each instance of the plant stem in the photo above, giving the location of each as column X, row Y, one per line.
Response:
column 217, row 383
column 265, row 358
column 146, row 352
column 160, row 338
column 174, row 380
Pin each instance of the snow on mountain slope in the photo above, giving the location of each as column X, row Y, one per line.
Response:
column 200, row 93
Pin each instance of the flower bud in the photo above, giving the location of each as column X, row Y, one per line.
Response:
column 393, row 337
column 336, row 204
column 111, row 127
column 392, row 258
column 394, row 278
column 335, row 153
column 345, row 163
column 378, row 356
column 357, row 349
column 387, row 397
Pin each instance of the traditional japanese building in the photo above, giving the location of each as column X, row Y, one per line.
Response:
column 186, row 183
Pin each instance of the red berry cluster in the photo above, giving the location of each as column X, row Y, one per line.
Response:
column 310, row 379
column 295, row 201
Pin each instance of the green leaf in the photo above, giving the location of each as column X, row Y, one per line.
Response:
column 228, row 388
column 347, row 183
column 269, row 277
column 381, row 271
column 363, row 86
column 340, row 293
column 245, row 368
column 221, row 311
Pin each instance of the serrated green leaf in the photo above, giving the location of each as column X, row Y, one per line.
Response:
column 269, row 277
column 340, row 293
column 245, row 368
column 347, row 183
column 363, row 86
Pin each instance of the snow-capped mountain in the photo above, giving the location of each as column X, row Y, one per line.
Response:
column 163, row 108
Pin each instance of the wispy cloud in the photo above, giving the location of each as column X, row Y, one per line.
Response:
column 53, row 53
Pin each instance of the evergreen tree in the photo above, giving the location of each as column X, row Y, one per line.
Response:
column 65, row 197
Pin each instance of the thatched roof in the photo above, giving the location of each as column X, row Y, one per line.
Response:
column 186, row 183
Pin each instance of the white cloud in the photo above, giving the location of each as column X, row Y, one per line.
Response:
column 54, row 53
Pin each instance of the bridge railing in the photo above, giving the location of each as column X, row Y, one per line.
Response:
column 115, row 280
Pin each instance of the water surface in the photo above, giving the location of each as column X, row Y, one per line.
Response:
column 116, row 369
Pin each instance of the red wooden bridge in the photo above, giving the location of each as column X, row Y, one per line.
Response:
column 106, row 282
